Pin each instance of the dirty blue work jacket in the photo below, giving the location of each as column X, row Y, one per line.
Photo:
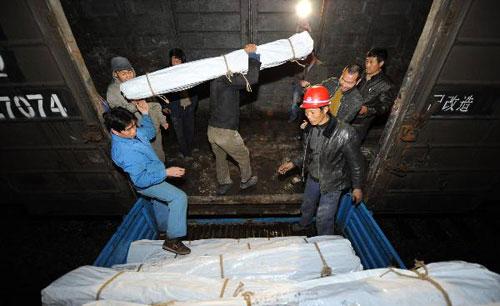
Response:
column 137, row 157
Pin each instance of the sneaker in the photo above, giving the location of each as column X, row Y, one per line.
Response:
column 175, row 246
column 223, row 189
column 251, row 182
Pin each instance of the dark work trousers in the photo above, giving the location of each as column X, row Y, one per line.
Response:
column 183, row 122
column 325, row 203
column 362, row 125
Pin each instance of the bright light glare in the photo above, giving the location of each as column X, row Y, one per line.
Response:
column 303, row 8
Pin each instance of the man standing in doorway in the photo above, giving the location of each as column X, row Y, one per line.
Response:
column 224, row 123
column 182, row 108
column 131, row 150
column 377, row 91
column 331, row 161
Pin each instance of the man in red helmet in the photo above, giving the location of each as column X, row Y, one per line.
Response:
column 331, row 163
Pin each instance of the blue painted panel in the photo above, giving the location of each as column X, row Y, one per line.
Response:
column 355, row 222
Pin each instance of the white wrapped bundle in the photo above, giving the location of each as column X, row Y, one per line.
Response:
column 463, row 283
column 142, row 251
column 189, row 74
column 257, row 258
column 88, row 283
column 224, row 302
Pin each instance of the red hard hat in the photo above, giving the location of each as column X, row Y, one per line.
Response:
column 316, row 96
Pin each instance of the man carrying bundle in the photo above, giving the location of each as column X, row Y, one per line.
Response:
column 223, row 124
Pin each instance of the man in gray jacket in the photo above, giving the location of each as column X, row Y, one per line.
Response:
column 122, row 71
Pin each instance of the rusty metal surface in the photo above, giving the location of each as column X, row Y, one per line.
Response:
column 54, row 150
column 440, row 144
column 247, row 230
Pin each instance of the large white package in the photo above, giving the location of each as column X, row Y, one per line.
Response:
column 141, row 251
column 189, row 74
column 255, row 258
column 89, row 283
column 464, row 283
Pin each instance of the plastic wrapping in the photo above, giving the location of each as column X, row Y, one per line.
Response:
column 253, row 258
column 465, row 283
column 189, row 74
column 83, row 284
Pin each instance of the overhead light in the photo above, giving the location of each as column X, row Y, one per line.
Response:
column 303, row 8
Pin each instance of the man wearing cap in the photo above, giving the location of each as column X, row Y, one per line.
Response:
column 122, row 71
column 331, row 163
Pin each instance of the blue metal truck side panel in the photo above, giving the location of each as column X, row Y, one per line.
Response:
column 355, row 222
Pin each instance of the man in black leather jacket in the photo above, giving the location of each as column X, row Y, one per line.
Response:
column 377, row 91
column 331, row 160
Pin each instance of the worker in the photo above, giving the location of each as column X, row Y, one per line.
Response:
column 346, row 100
column 331, row 163
column 377, row 91
column 131, row 150
column 123, row 71
column 224, row 121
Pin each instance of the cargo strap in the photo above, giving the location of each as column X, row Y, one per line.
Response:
column 294, row 57
column 139, row 267
column 238, row 289
column 153, row 92
column 221, row 262
column 326, row 271
column 98, row 295
column 423, row 276
column 247, row 295
column 229, row 75
column 169, row 303
column 224, row 285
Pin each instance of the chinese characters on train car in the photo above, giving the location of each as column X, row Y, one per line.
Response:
column 458, row 104
column 464, row 100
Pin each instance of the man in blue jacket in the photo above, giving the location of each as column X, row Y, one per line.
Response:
column 131, row 150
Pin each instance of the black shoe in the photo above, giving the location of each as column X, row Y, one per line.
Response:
column 296, row 227
column 175, row 246
column 223, row 189
column 251, row 182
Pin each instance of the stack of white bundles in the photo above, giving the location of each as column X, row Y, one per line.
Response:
column 88, row 283
column 293, row 258
column 454, row 283
column 189, row 74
